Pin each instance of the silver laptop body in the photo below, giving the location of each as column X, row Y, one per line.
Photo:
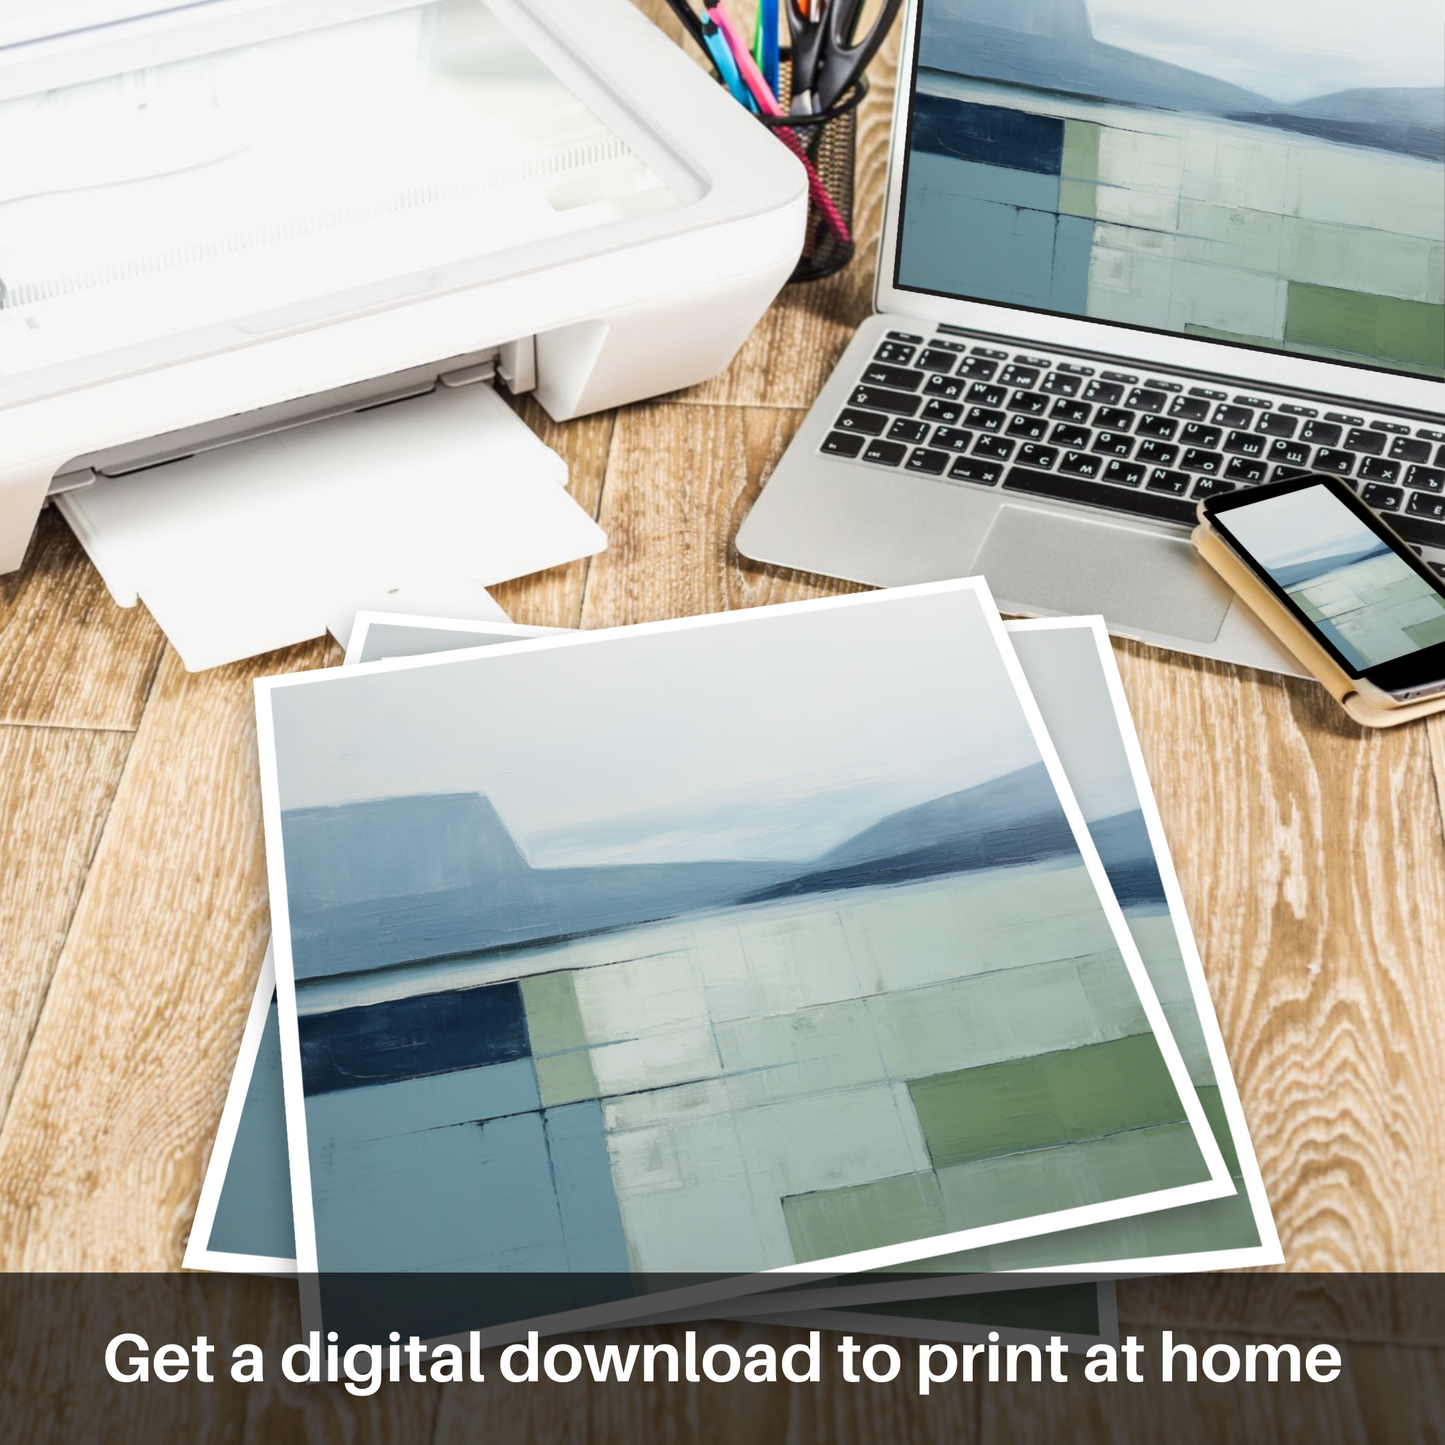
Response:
column 1159, row 245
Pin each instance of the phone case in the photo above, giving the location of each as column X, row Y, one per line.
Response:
column 1298, row 639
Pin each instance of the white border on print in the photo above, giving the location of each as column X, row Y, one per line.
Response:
column 361, row 631
column 199, row 1254
column 959, row 1332
column 1217, row 1185
column 1269, row 1249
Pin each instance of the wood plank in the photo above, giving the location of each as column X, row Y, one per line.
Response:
column 1352, row 1410
column 1311, row 858
column 102, row 1150
column 554, row 598
column 830, row 1412
column 69, row 657
column 679, row 482
column 56, row 786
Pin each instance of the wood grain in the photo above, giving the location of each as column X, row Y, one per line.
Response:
column 102, row 1149
column 69, row 657
column 1311, row 859
column 679, row 482
column 56, row 786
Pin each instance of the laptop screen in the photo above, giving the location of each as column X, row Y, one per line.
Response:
column 1269, row 173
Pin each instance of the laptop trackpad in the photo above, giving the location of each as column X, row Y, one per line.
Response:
column 1039, row 559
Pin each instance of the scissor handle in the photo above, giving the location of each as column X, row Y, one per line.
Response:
column 844, row 58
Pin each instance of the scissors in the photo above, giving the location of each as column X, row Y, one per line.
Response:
column 827, row 54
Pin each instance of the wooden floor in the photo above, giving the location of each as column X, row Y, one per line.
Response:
column 133, row 908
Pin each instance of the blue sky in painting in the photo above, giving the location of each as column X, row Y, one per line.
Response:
column 745, row 740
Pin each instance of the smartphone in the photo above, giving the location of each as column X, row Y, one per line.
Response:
column 1337, row 569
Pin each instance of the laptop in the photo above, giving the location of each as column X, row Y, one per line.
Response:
column 1134, row 254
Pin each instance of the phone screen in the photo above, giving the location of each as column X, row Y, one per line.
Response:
column 1367, row 599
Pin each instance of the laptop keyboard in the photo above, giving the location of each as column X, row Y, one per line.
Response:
column 1144, row 445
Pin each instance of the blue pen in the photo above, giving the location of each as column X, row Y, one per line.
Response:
column 768, row 29
column 727, row 67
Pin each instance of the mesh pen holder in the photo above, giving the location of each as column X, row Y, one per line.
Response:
column 827, row 145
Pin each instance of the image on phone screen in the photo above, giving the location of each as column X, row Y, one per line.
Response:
column 1362, row 597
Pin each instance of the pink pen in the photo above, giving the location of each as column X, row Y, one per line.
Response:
column 768, row 105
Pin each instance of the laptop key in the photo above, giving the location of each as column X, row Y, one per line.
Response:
column 1290, row 474
column 1292, row 454
column 1245, row 469
column 1189, row 408
column 1328, row 459
column 905, row 379
column 1244, row 444
column 1035, row 403
column 1032, row 427
column 1162, row 427
column 1074, row 488
column 982, row 394
column 1372, row 443
column 1424, row 504
column 1075, row 411
column 932, row 359
column 948, row 387
column 843, row 444
column 993, row 447
column 1419, row 530
column 1211, row 487
column 935, row 409
column 1377, row 469
column 1406, row 449
column 878, row 398
column 992, row 352
column 1113, row 418
column 1195, row 435
column 1113, row 444
column 1272, row 424
column 1157, row 454
column 886, row 454
column 1199, row 460
column 923, row 459
column 982, row 419
column 1427, row 479
column 1383, row 499
column 1144, row 398
column 904, row 429
column 1037, row 456
column 1070, row 436
column 1235, row 416
column 895, row 353
column 905, row 336
column 1322, row 433
column 1161, row 479
column 1124, row 474
column 1060, row 383
column 1015, row 375
column 953, row 438
column 971, row 469
column 1107, row 392
column 867, row 422
column 977, row 368
column 1081, row 464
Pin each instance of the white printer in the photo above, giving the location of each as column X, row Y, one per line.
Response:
column 225, row 219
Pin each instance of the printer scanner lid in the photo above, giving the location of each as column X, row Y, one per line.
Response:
column 182, row 179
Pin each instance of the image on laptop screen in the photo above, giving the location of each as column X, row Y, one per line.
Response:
column 1268, row 174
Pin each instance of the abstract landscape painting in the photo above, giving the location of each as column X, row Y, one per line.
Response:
column 1265, row 174
column 756, row 943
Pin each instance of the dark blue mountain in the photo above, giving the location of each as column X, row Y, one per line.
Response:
column 1050, row 45
column 399, row 880
column 1128, row 859
column 1298, row 572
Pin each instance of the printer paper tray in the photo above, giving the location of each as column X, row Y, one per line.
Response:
column 417, row 506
